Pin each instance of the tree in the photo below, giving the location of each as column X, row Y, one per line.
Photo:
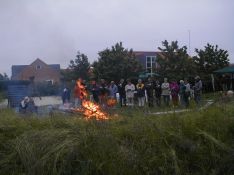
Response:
column 210, row 59
column 3, row 87
column 116, row 63
column 174, row 62
column 78, row 68
column 4, row 76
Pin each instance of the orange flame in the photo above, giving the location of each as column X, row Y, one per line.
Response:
column 83, row 93
column 89, row 109
column 111, row 102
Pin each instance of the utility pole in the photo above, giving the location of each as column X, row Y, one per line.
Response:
column 189, row 40
column 151, row 66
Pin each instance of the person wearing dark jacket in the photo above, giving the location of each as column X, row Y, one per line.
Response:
column 158, row 92
column 95, row 91
column 149, row 86
column 103, row 92
column 122, row 93
column 24, row 105
column 66, row 95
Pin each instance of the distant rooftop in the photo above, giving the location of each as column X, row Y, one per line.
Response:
column 16, row 69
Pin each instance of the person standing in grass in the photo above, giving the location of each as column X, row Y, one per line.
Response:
column 197, row 90
column 149, row 86
column 32, row 108
column 174, row 88
column 95, row 91
column 158, row 93
column 24, row 105
column 103, row 92
column 140, row 87
column 182, row 93
column 66, row 95
column 77, row 94
column 113, row 89
column 122, row 93
column 166, row 92
column 129, row 89
column 186, row 93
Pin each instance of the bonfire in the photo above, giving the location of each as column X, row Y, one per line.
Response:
column 89, row 109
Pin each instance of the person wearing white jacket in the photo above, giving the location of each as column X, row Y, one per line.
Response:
column 129, row 89
column 165, row 92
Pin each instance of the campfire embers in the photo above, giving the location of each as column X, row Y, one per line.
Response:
column 92, row 110
column 89, row 109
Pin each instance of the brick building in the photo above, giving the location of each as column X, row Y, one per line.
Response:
column 38, row 71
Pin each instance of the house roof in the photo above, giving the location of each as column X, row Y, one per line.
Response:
column 17, row 69
column 147, row 53
column 54, row 66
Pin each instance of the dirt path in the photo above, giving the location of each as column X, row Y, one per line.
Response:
column 208, row 103
column 42, row 101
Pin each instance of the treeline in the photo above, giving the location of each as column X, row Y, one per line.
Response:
column 174, row 62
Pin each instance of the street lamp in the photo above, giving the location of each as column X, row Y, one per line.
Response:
column 151, row 61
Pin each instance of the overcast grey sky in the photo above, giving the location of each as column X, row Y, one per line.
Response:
column 54, row 30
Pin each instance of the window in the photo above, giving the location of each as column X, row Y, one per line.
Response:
column 148, row 59
column 38, row 67
column 150, row 63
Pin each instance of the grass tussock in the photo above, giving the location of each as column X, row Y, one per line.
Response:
column 198, row 142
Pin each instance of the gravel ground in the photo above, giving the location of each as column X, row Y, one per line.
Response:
column 42, row 101
column 49, row 100
column 3, row 104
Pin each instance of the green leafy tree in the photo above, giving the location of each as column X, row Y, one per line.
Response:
column 209, row 59
column 174, row 62
column 3, row 86
column 4, row 76
column 78, row 68
column 116, row 63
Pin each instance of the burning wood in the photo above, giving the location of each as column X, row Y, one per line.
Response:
column 89, row 109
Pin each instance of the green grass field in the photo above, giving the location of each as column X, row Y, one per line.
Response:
column 132, row 142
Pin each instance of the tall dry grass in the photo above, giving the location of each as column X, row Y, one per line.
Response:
column 198, row 142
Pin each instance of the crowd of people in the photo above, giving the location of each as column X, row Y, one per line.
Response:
column 125, row 93
column 150, row 92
